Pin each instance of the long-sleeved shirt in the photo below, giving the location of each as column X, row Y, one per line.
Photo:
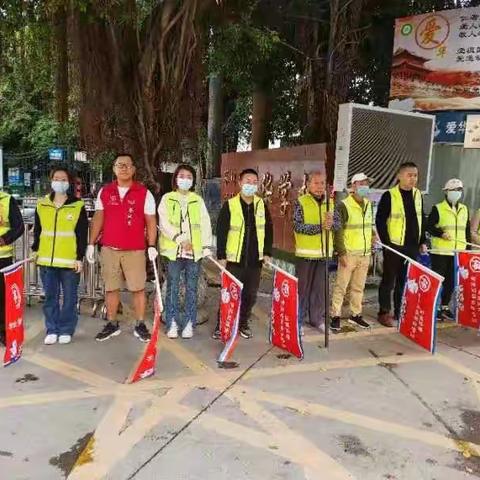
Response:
column 300, row 226
column 81, row 229
column 411, row 223
column 171, row 232
column 435, row 231
column 250, row 240
column 15, row 220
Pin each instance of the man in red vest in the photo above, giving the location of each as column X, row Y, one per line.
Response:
column 124, row 215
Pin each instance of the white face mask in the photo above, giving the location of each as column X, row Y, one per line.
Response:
column 184, row 183
column 454, row 196
column 249, row 190
column 60, row 186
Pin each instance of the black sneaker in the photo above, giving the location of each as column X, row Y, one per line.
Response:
column 109, row 330
column 335, row 324
column 216, row 334
column 142, row 333
column 358, row 321
column 446, row 314
column 245, row 332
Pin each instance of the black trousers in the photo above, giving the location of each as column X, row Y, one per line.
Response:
column 445, row 265
column 250, row 277
column 4, row 262
column 393, row 278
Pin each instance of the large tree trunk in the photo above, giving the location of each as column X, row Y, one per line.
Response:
column 261, row 116
column 215, row 122
column 61, row 72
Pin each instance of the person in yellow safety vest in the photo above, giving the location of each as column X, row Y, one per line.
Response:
column 449, row 226
column 185, row 238
column 400, row 225
column 313, row 221
column 244, row 243
column 11, row 228
column 59, row 241
column 353, row 244
column 475, row 228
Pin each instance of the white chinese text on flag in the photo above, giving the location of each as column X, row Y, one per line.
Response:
column 467, row 279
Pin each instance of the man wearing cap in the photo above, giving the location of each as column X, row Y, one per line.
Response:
column 400, row 225
column 353, row 243
column 449, row 226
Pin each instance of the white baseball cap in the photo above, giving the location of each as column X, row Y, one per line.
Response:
column 360, row 177
column 453, row 184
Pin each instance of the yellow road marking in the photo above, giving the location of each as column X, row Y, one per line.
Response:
column 185, row 356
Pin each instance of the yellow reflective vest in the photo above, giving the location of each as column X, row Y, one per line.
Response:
column 58, row 242
column 169, row 248
column 236, row 233
column 396, row 223
column 314, row 213
column 358, row 228
column 454, row 222
column 6, row 251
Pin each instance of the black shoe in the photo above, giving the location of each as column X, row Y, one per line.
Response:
column 335, row 324
column 358, row 321
column 109, row 330
column 216, row 334
column 142, row 333
column 245, row 332
column 446, row 314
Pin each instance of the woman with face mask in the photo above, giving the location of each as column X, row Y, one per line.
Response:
column 449, row 226
column 60, row 240
column 185, row 238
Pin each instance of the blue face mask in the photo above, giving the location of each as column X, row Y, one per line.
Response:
column 60, row 186
column 454, row 196
column 184, row 183
column 363, row 191
column 249, row 190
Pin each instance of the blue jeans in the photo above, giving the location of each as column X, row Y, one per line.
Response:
column 172, row 304
column 60, row 321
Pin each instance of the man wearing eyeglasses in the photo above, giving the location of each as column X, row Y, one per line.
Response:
column 125, row 217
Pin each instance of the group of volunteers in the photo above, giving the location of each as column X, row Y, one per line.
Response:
column 127, row 223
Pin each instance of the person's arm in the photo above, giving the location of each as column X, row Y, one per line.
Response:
column 423, row 231
column 37, row 230
column 268, row 245
column 166, row 228
column 339, row 233
column 299, row 224
column 223, row 226
column 474, row 228
column 432, row 222
column 150, row 219
column 206, row 229
column 81, row 233
column 17, row 226
column 96, row 225
column 468, row 233
column 383, row 212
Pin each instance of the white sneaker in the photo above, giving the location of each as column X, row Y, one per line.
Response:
column 64, row 339
column 50, row 339
column 188, row 331
column 173, row 330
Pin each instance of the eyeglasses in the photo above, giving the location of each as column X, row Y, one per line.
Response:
column 123, row 166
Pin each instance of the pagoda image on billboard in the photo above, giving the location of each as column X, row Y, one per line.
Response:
column 436, row 61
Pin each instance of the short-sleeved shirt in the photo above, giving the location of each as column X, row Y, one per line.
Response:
column 149, row 208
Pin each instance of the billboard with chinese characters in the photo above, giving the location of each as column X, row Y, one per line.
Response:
column 436, row 61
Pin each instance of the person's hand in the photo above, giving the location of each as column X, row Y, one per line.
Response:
column 223, row 263
column 207, row 252
column 446, row 236
column 90, row 254
column 33, row 256
column 267, row 260
column 343, row 261
column 152, row 253
column 78, row 266
column 187, row 246
column 328, row 221
column 423, row 249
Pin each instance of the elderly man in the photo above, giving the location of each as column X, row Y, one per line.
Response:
column 353, row 243
column 313, row 224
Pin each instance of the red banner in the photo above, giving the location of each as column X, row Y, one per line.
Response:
column 146, row 365
column 467, row 269
column 230, row 301
column 284, row 329
column 419, row 306
column 14, row 304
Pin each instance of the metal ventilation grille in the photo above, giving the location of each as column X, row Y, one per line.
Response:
column 376, row 141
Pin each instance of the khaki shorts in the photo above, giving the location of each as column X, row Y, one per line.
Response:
column 119, row 266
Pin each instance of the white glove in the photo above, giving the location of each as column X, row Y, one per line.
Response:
column 152, row 253
column 207, row 252
column 90, row 254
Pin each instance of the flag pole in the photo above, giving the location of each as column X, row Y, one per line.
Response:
column 329, row 195
column 157, row 285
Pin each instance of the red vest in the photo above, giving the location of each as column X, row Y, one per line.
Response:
column 124, row 220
